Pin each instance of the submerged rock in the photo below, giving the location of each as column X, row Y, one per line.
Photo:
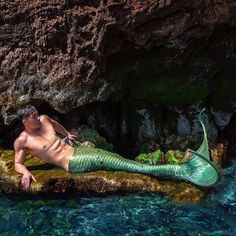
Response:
column 51, row 179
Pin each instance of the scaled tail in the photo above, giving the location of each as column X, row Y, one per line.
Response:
column 199, row 169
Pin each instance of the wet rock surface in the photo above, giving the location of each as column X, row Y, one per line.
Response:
column 51, row 179
column 155, row 64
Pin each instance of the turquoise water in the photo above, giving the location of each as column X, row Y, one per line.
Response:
column 137, row 214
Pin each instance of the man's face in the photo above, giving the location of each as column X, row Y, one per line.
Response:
column 32, row 120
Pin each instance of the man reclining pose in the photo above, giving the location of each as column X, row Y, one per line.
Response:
column 40, row 139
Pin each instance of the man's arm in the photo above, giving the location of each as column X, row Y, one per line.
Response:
column 19, row 163
column 61, row 130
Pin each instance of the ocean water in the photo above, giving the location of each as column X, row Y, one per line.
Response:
column 133, row 214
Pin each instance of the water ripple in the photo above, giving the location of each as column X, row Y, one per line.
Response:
column 133, row 214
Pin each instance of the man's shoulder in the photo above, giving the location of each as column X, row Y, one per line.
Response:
column 44, row 118
column 21, row 140
column 23, row 136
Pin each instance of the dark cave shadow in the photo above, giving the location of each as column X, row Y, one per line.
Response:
column 44, row 166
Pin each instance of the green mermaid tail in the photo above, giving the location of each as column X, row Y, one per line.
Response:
column 198, row 169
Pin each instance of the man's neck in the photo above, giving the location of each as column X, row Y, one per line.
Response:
column 31, row 130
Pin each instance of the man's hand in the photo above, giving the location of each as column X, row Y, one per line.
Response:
column 26, row 180
column 72, row 135
column 61, row 130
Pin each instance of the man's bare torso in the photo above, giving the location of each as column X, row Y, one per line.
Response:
column 45, row 144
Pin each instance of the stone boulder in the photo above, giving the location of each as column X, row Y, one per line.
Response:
column 51, row 179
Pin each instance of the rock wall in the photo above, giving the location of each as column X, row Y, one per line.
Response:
column 148, row 56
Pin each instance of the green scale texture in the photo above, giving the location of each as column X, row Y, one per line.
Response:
column 199, row 169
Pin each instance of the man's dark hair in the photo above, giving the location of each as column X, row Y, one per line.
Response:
column 25, row 112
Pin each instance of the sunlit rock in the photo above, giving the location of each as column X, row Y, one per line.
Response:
column 51, row 179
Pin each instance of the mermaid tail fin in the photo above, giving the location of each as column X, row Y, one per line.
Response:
column 199, row 169
column 203, row 149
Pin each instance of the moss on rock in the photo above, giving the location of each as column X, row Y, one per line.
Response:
column 223, row 89
column 158, row 157
column 152, row 158
column 51, row 179
column 174, row 156
column 168, row 89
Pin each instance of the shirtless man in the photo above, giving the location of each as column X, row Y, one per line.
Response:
column 40, row 139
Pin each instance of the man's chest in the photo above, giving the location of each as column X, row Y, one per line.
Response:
column 41, row 140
